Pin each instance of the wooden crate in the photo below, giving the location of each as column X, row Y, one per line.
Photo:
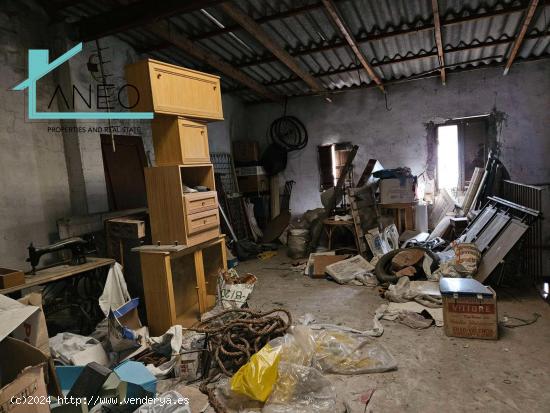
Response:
column 11, row 278
column 172, row 90
column 180, row 283
column 179, row 141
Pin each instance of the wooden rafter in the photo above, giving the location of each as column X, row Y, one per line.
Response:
column 439, row 40
column 338, row 43
column 136, row 14
column 164, row 31
column 521, row 35
column 414, row 57
column 252, row 27
column 333, row 13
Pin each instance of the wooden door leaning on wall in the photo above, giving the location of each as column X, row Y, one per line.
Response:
column 124, row 174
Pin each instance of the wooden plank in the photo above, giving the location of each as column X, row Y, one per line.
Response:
column 201, row 281
column 169, row 34
column 358, row 228
column 158, row 291
column 367, row 172
column 136, row 14
column 165, row 200
column 252, row 27
column 439, row 40
column 333, row 13
column 59, row 272
column 519, row 38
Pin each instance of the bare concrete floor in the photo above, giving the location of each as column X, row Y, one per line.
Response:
column 436, row 373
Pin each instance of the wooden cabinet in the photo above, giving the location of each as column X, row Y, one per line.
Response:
column 168, row 89
column 179, row 217
column 179, row 141
column 180, row 282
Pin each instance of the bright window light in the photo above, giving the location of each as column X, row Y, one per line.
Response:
column 447, row 158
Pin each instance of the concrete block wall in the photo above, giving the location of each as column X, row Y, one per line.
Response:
column 34, row 187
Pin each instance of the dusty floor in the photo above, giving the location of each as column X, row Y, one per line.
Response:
column 436, row 373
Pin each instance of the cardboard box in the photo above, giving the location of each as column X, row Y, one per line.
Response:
column 24, row 320
column 25, row 373
column 397, row 191
column 468, row 313
column 11, row 278
column 253, row 183
column 246, row 152
column 320, row 263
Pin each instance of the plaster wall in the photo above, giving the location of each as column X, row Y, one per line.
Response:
column 397, row 137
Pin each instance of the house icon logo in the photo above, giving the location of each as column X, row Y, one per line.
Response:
column 39, row 66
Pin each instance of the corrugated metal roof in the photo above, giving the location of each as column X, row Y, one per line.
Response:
column 468, row 41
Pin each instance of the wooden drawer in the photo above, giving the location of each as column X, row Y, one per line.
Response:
column 173, row 90
column 202, row 221
column 179, row 141
column 200, row 201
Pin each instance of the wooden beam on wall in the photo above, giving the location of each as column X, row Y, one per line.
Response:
column 134, row 15
column 333, row 13
column 254, row 29
column 164, row 31
column 521, row 35
column 439, row 40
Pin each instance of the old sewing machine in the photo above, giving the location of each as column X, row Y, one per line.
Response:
column 76, row 245
column 71, row 286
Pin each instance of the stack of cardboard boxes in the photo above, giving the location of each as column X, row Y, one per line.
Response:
column 251, row 176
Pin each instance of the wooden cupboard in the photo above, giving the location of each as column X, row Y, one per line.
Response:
column 180, row 283
column 178, row 217
column 172, row 90
column 178, row 141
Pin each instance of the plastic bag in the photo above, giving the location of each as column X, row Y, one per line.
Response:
column 256, row 378
column 301, row 389
column 298, row 345
column 338, row 352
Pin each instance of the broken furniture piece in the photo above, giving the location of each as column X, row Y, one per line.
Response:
column 180, row 283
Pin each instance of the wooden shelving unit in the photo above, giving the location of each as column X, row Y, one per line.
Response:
column 180, row 272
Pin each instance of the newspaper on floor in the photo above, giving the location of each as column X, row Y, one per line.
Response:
column 353, row 270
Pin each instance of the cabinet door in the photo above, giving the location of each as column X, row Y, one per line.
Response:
column 194, row 142
column 184, row 92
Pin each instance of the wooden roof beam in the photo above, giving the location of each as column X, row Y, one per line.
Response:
column 169, row 34
column 340, row 42
column 439, row 40
column 521, row 35
column 254, row 29
column 333, row 13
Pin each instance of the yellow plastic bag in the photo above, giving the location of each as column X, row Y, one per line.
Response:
column 256, row 378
